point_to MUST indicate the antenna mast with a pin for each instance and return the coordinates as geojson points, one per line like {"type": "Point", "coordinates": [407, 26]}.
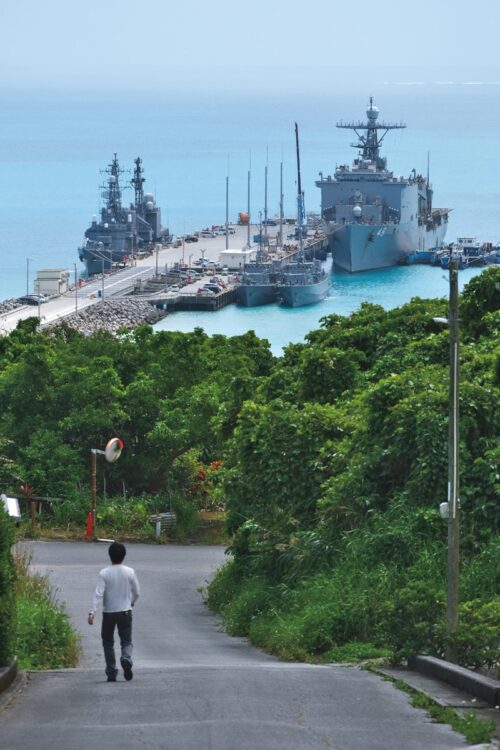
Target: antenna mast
{"type": "Point", "coordinates": [137, 182]}
{"type": "Point", "coordinates": [112, 191]}
{"type": "Point", "coordinates": [300, 197]}
{"type": "Point", "coordinates": [370, 143]}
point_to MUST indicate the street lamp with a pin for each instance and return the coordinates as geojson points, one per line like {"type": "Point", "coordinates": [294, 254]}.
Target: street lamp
{"type": "Point", "coordinates": [28, 275]}
{"type": "Point", "coordinates": [76, 289]}
{"type": "Point", "coordinates": [450, 510]}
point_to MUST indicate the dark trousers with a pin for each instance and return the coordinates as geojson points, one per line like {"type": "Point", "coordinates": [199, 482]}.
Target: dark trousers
{"type": "Point", "coordinates": [123, 621]}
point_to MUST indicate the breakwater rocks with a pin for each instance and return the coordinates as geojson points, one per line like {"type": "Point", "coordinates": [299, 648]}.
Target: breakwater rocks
{"type": "Point", "coordinates": [112, 315]}
{"type": "Point", "coordinates": [8, 305]}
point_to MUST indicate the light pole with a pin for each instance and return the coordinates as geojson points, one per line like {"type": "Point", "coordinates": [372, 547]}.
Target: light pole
{"type": "Point", "coordinates": [189, 267]}
{"type": "Point", "coordinates": [76, 289]}
{"type": "Point", "coordinates": [451, 509]}
{"type": "Point", "coordinates": [28, 275]}
{"type": "Point", "coordinates": [102, 293]}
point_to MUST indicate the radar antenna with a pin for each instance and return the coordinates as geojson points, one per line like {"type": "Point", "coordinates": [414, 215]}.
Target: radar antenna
{"type": "Point", "coordinates": [369, 143]}
{"type": "Point", "coordinates": [137, 182]}
{"type": "Point", "coordinates": [112, 191]}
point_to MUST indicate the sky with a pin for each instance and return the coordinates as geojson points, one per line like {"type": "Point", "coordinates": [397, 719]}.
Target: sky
{"type": "Point", "coordinates": [263, 45]}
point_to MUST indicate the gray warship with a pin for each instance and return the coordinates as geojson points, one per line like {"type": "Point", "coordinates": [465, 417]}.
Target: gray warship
{"type": "Point", "coordinates": [302, 282]}
{"type": "Point", "coordinates": [373, 218]}
{"type": "Point", "coordinates": [122, 230]}
{"type": "Point", "coordinates": [294, 283]}
{"type": "Point", "coordinates": [258, 282]}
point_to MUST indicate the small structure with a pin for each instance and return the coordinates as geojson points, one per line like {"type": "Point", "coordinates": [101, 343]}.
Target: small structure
{"type": "Point", "coordinates": [52, 281]}
{"type": "Point", "coordinates": [236, 260]}
{"type": "Point", "coordinates": [11, 505]}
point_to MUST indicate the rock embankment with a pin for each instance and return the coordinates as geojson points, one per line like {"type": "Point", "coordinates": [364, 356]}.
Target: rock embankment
{"type": "Point", "coordinates": [112, 316]}
{"type": "Point", "coordinates": [8, 305]}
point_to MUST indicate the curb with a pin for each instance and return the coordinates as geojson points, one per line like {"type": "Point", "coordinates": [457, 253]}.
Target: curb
{"type": "Point", "coordinates": [463, 679]}
{"type": "Point", "coordinates": [8, 674]}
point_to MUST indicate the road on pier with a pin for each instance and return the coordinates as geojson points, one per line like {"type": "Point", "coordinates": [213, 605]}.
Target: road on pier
{"type": "Point", "coordinates": [194, 687]}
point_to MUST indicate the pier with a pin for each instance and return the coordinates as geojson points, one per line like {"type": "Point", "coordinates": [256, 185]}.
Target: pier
{"type": "Point", "coordinates": [148, 279]}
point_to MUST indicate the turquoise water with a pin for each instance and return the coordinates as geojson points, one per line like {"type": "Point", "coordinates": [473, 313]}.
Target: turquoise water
{"type": "Point", "coordinates": [389, 287]}
{"type": "Point", "coordinates": [53, 146]}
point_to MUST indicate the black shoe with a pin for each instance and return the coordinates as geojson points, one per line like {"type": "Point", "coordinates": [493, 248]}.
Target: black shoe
{"type": "Point", "coordinates": [127, 669]}
{"type": "Point", "coordinates": [111, 678]}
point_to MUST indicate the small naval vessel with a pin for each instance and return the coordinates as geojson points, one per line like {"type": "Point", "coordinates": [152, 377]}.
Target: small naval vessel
{"type": "Point", "coordinates": [122, 231]}
{"type": "Point", "coordinates": [302, 282]}
{"type": "Point", "coordinates": [375, 219]}
{"type": "Point", "coordinates": [258, 282]}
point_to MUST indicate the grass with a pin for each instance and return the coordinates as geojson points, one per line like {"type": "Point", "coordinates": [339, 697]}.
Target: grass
{"type": "Point", "coordinates": [210, 531]}
{"type": "Point", "coordinates": [45, 638]}
{"type": "Point", "coordinates": [475, 730]}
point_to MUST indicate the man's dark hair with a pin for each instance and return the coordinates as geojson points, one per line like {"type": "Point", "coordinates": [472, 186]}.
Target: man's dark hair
{"type": "Point", "coordinates": [117, 552]}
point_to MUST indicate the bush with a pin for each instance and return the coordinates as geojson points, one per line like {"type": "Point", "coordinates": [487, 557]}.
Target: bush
{"type": "Point", "coordinates": [415, 621]}
{"type": "Point", "coordinates": [478, 637]}
{"type": "Point", "coordinates": [186, 517]}
{"type": "Point", "coordinates": [7, 596]}
{"type": "Point", "coordinates": [124, 516]}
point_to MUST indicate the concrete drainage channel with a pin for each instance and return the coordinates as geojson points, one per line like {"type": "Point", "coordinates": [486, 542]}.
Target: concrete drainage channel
{"type": "Point", "coordinates": [470, 682]}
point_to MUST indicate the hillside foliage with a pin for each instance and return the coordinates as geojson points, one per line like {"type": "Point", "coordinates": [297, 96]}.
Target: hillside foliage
{"type": "Point", "coordinates": [330, 460]}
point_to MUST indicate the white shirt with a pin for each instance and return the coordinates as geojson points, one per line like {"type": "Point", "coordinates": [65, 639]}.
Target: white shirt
{"type": "Point", "coordinates": [117, 587]}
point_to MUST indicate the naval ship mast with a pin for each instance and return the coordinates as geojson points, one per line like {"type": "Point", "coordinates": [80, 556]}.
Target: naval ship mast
{"type": "Point", "coordinates": [137, 183]}
{"type": "Point", "coordinates": [300, 199]}
{"type": "Point", "coordinates": [371, 142]}
{"type": "Point", "coordinates": [112, 192]}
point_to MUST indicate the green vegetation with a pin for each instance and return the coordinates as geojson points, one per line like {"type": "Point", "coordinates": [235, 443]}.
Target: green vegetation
{"type": "Point", "coordinates": [334, 475]}
{"type": "Point", "coordinates": [329, 461]}
{"type": "Point", "coordinates": [475, 730]}
{"type": "Point", "coordinates": [45, 638]}
{"type": "Point", "coordinates": [7, 598]}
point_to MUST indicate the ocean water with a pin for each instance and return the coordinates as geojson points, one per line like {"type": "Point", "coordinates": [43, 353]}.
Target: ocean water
{"type": "Point", "coordinates": [53, 146]}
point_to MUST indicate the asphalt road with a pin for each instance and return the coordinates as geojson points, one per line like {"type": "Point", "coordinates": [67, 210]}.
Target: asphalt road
{"type": "Point", "coordinates": [194, 687]}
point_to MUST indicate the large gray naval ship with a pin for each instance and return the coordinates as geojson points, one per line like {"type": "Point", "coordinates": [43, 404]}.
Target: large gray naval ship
{"type": "Point", "coordinates": [122, 230]}
{"type": "Point", "coordinates": [375, 219]}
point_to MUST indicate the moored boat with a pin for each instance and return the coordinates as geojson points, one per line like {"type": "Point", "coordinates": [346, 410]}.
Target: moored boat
{"type": "Point", "coordinates": [302, 282]}
{"type": "Point", "coordinates": [122, 231]}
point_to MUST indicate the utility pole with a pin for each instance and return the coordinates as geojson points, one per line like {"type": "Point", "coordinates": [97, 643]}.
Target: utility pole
{"type": "Point", "coordinates": [76, 289]}
{"type": "Point", "coordinates": [27, 275]}
{"type": "Point", "coordinates": [453, 469]}
{"type": "Point", "coordinates": [102, 293]}
{"type": "Point", "coordinates": [227, 212]}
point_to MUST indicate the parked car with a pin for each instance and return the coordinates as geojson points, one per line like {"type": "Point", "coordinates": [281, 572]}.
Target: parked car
{"type": "Point", "coordinates": [207, 233]}
{"type": "Point", "coordinates": [213, 288]}
{"type": "Point", "coordinates": [33, 299]}
{"type": "Point", "coordinates": [190, 238]}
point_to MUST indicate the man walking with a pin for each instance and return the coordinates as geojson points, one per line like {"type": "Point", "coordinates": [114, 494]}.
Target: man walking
{"type": "Point", "coordinates": [118, 588]}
